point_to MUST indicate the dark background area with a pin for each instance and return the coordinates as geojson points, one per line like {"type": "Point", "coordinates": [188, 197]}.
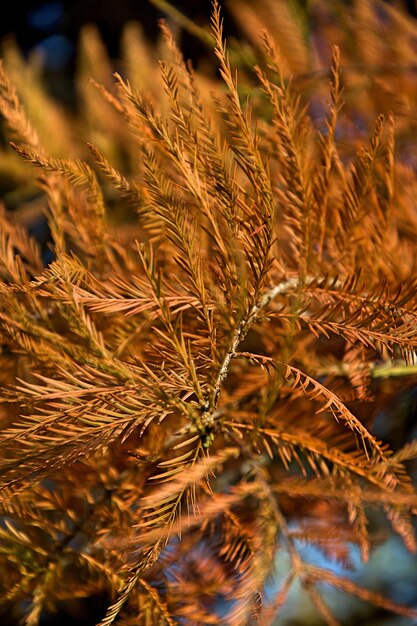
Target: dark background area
{"type": "Point", "coordinates": [52, 27]}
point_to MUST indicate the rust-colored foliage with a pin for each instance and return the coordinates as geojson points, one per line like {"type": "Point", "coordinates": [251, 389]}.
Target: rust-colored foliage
{"type": "Point", "coordinates": [188, 384]}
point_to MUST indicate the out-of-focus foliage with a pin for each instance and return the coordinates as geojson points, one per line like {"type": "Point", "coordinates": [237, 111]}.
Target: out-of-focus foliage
{"type": "Point", "coordinates": [191, 383]}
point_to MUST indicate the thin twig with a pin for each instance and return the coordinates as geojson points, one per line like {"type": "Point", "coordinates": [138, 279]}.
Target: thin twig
{"type": "Point", "coordinates": [243, 328]}
{"type": "Point", "coordinates": [389, 369]}
{"type": "Point", "coordinates": [384, 370]}
{"type": "Point", "coordinates": [200, 33]}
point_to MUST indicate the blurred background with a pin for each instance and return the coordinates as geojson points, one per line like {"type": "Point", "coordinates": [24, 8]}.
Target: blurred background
{"type": "Point", "coordinates": [379, 46]}
{"type": "Point", "coordinates": [51, 28]}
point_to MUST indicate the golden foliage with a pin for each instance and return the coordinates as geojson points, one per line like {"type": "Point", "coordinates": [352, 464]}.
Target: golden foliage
{"type": "Point", "coordinates": [231, 274]}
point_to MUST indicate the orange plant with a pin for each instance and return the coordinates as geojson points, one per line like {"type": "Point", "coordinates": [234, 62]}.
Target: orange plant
{"type": "Point", "coordinates": [187, 382]}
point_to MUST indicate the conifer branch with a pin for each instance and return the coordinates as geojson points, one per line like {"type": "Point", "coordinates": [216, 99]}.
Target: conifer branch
{"type": "Point", "coordinates": [243, 328]}
{"type": "Point", "coordinates": [190, 377]}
